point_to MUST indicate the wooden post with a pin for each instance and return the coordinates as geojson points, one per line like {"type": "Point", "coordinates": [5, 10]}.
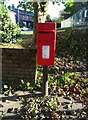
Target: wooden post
{"type": "Point", "coordinates": [45, 81]}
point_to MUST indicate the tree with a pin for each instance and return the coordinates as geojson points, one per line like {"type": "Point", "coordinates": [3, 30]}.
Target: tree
{"type": "Point", "coordinates": [38, 7]}
{"type": "Point", "coordinates": [35, 5]}
{"type": "Point", "coordinates": [26, 5]}
{"type": "Point", "coordinates": [48, 19]}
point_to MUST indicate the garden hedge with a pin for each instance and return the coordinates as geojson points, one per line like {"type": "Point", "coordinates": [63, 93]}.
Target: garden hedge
{"type": "Point", "coordinates": [72, 41]}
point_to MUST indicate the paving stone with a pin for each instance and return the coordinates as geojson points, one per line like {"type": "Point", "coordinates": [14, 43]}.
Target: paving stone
{"type": "Point", "coordinates": [12, 105]}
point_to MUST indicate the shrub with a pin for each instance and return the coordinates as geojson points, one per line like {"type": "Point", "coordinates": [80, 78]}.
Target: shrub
{"type": "Point", "coordinates": [10, 31]}
{"type": "Point", "coordinates": [27, 26]}
{"type": "Point", "coordinates": [22, 24]}
{"type": "Point", "coordinates": [72, 41]}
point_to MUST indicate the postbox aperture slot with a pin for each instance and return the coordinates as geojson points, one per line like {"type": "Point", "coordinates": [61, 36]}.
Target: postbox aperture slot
{"type": "Point", "coordinates": [46, 31]}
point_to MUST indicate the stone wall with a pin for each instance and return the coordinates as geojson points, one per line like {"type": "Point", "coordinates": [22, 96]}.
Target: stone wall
{"type": "Point", "coordinates": [18, 64]}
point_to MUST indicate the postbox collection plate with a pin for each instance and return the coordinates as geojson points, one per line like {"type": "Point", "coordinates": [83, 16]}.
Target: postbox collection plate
{"type": "Point", "coordinates": [45, 52]}
{"type": "Point", "coordinates": [46, 35]}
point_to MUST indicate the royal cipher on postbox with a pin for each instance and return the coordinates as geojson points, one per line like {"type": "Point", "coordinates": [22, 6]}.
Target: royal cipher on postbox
{"type": "Point", "coordinates": [46, 35]}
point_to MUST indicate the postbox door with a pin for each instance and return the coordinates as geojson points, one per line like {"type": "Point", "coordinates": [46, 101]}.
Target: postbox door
{"type": "Point", "coordinates": [45, 45]}
{"type": "Point", "coordinates": [46, 54]}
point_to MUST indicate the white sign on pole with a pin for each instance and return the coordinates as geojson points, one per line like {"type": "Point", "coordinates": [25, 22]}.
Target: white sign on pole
{"type": "Point", "coordinates": [45, 52]}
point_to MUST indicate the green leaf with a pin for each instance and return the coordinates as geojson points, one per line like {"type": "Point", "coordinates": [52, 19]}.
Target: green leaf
{"type": "Point", "coordinates": [10, 88]}
{"type": "Point", "coordinates": [28, 84]}
{"type": "Point", "coordinates": [30, 88]}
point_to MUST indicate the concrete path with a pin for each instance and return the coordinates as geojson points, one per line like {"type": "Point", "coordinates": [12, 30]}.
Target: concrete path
{"type": "Point", "coordinates": [10, 105]}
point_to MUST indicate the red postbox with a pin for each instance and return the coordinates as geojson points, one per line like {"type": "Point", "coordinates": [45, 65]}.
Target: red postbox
{"type": "Point", "coordinates": [46, 35]}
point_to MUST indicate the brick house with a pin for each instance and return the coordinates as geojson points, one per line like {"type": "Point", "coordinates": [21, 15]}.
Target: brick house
{"type": "Point", "coordinates": [22, 16]}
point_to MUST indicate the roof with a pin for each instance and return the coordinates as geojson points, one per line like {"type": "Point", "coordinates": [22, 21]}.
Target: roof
{"type": "Point", "coordinates": [23, 12]}
{"type": "Point", "coordinates": [11, 12]}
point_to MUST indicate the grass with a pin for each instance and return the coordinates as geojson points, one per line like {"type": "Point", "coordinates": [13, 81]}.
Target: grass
{"type": "Point", "coordinates": [24, 35]}
{"type": "Point", "coordinates": [27, 33]}
{"type": "Point", "coordinates": [25, 40]}
{"type": "Point", "coordinates": [10, 45]}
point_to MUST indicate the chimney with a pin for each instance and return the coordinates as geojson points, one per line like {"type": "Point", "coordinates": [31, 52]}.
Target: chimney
{"type": "Point", "coordinates": [9, 7]}
{"type": "Point", "coordinates": [13, 7]}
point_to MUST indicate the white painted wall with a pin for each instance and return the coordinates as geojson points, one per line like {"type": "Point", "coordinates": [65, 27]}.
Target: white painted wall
{"type": "Point", "coordinates": [12, 16]}
{"type": "Point", "coordinates": [75, 20]}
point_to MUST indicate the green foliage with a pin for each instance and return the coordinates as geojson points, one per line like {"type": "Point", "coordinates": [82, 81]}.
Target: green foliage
{"type": "Point", "coordinates": [58, 20]}
{"type": "Point", "coordinates": [10, 45]}
{"type": "Point", "coordinates": [72, 41]}
{"type": "Point", "coordinates": [46, 107]}
{"type": "Point", "coordinates": [21, 24]}
{"type": "Point", "coordinates": [69, 83]}
{"type": "Point", "coordinates": [25, 86]}
{"type": "Point", "coordinates": [39, 108]}
{"type": "Point", "coordinates": [27, 26]}
{"type": "Point", "coordinates": [26, 5]}
{"type": "Point", "coordinates": [10, 31]}
{"type": "Point", "coordinates": [69, 4]}
{"type": "Point", "coordinates": [25, 40]}
{"type": "Point", "coordinates": [42, 6]}
{"type": "Point", "coordinates": [29, 5]}
{"type": "Point", "coordinates": [72, 8]}
{"type": "Point", "coordinates": [9, 89]}
{"type": "Point", "coordinates": [48, 19]}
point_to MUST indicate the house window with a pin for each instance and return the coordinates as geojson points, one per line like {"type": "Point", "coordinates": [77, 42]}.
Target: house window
{"type": "Point", "coordinates": [23, 17]}
{"type": "Point", "coordinates": [27, 17]}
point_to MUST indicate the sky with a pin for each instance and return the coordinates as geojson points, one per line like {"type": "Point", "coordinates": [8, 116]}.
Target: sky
{"type": "Point", "coordinates": [52, 10]}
